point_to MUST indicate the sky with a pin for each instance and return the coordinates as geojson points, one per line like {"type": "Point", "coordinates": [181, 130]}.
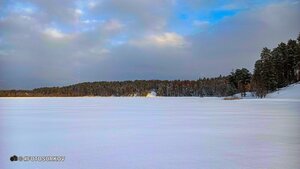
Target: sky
{"type": "Point", "coordinates": [62, 42]}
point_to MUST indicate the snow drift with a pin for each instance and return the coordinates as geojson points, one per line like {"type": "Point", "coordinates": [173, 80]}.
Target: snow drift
{"type": "Point", "coordinates": [290, 92]}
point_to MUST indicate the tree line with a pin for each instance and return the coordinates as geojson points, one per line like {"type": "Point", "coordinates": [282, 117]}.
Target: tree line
{"type": "Point", "coordinates": [218, 86]}
{"type": "Point", "coordinates": [275, 69]}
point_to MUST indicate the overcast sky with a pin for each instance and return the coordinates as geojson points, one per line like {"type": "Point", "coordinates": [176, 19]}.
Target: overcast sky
{"type": "Point", "coordinates": [61, 42]}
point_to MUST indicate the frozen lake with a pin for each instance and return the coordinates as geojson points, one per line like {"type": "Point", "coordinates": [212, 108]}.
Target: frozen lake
{"type": "Point", "coordinates": [151, 133]}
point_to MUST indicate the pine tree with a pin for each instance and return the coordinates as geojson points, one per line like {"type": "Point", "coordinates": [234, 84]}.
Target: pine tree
{"type": "Point", "coordinates": [240, 79]}
{"type": "Point", "coordinates": [277, 61]}
{"type": "Point", "coordinates": [257, 80]}
{"type": "Point", "coordinates": [268, 70]}
{"type": "Point", "coordinates": [297, 61]}
{"type": "Point", "coordinates": [292, 49]}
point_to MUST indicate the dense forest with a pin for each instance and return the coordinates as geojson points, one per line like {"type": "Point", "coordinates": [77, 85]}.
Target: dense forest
{"type": "Point", "coordinates": [203, 87]}
{"type": "Point", "coordinates": [275, 69]}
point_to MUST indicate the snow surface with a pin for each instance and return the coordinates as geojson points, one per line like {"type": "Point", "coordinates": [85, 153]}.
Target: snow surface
{"type": "Point", "coordinates": [151, 133]}
{"type": "Point", "coordinates": [249, 95]}
{"type": "Point", "coordinates": [289, 92]}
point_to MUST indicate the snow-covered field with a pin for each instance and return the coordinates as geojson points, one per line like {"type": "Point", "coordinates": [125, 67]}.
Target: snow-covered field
{"type": "Point", "coordinates": [151, 133]}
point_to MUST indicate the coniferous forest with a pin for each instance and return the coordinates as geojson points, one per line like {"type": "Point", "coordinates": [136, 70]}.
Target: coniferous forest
{"type": "Point", "coordinates": [275, 69]}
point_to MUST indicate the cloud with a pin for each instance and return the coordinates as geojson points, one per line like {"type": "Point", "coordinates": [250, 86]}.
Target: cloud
{"type": "Point", "coordinates": [54, 33]}
{"type": "Point", "coordinates": [113, 25]}
{"type": "Point", "coordinates": [92, 4]}
{"type": "Point", "coordinates": [56, 11]}
{"type": "Point", "coordinates": [79, 11]}
{"type": "Point", "coordinates": [65, 42]}
{"type": "Point", "coordinates": [201, 24]}
{"type": "Point", "coordinates": [167, 39]}
{"type": "Point", "coordinates": [237, 41]}
{"type": "Point", "coordinates": [146, 14]}
{"type": "Point", "coordinates": [35, 55]}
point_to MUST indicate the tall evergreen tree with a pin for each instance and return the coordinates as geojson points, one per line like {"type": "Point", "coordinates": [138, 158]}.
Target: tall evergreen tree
{"type": "Point", "coordinates": [257, 79]}
{"type": "Point", "coordinates": [297, 61]}
{"type": "Point", "coordinates": [292, 49]}
{"type": "Point", "coordinates": [277, 59]}
{"type": "Point", "coordinates": [268, 70]}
